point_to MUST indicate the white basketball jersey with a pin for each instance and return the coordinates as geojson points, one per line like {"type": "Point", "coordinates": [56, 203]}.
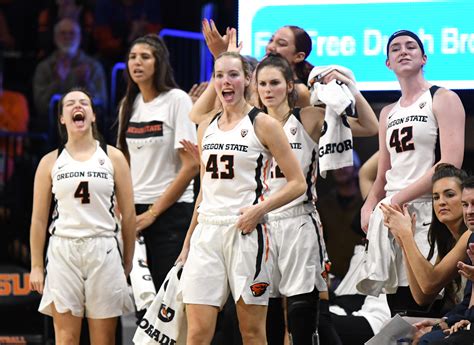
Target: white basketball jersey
{"type": "Point", "coordinates": [306, 152]}
{"type": "Point", "coordinates": [84, 196]}
{"type": "Point", "coordinates": [237, 168]}
{"type": "Point", "coordinates": [412, 136]}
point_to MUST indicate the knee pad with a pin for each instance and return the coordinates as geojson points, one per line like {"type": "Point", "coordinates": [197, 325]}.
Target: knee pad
{"type": "Point", "coordinates": [303, 317]}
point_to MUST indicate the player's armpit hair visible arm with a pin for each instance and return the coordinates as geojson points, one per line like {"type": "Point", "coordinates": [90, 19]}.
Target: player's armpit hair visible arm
{"type": "Point", "coordinates": [431, 279]}
{"type": "Point", "coordinates": [312, 119]}
{"type": "Point", "coordinates": [124, 194]}
{"type": "Point", "coordinates": [204, 107]}
{"type": "Point", "coordinates": [451, 118]}
{"type": "Point", "coordinates": [271, 134]}
{"type": "Point", "coordinates": [367, 174]}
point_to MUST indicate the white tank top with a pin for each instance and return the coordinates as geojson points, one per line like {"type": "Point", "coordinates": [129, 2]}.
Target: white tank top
{"type": "Point", "coordinates": [84, 196]}
{"type": "Point", "coordinates": [306, 152]}
{"type": "Point", "coordinates": [412, 136]}
{"type": "Point", "coordinates": [237, 168]}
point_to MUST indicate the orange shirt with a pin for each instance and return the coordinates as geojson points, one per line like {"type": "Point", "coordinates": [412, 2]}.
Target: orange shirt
{"type": "Point", "coordinates": [14, 113]}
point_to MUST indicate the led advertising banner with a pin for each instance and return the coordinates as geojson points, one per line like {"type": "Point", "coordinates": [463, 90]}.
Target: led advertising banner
{"type": "Point", "coordinates": [355, 33]}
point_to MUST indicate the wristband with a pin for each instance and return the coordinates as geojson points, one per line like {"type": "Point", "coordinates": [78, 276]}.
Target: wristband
{"type": "Point", "coordinates": [153, 213]}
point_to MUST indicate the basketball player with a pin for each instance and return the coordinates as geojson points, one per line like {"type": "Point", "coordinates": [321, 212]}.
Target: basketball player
{"type": "Point", "coordinates": [297, 242]}
{"type": "Point", "coordinates": [229, 246]}
{"type": "Point", "coordinates": [409, 132]}
{"type": "Point", "coordinates": [85, 269]}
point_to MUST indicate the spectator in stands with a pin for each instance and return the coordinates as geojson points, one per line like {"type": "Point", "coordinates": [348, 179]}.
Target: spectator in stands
{"type": "Point", "coordinates": [14, 113]}
{"type": "Point", "coordinates": [56, 10]}
{"type": "Point", "coordinates": [6, 39]}
{"type": "Point", "coordinates": [118, 23]}
{"type": "Point", "coordinates": [20, 17]}
{"type": "Point", "coordinates": [66, 67]}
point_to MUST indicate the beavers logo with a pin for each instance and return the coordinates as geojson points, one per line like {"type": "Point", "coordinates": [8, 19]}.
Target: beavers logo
{"type": "Point", "coordinates": [422, 105]}
{"type": "Point", "coordinates": [258, 289]}
{"type": "Point", "coordinates": [293, 130]}
{"type": "Point", "coordinates": [166, 314]}
{"type": "Point", "coordinates": [327, 269]}
{"type": "Point", "coordinates": [324, 128]}
{"type": "Point", "coordinates": [101, 161]}
{"type": "Point", "coordinates": [244, 132]}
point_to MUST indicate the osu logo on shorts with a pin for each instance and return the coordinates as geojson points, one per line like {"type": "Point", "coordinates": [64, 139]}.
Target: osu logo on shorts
{"type": "Point", "coordinates": [166, 314]}
{"type": "Point", "coordinates": [258, 289]}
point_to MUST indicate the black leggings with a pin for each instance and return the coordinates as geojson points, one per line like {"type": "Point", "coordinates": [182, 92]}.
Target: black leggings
{"type": "Point", "coordinates": [164, 238]}
{"type": "Point", "coordinates": [352, 330]}
{"type": "Point", "coordinates": [403, 303]}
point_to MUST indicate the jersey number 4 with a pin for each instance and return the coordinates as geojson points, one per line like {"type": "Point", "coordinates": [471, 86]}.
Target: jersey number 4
{"type": "Point", "coordinates": [82, 192]}
{"type": "Point", "coordinates": [212, 166]}
{"type": "Point", "coordinates": [403, 140]}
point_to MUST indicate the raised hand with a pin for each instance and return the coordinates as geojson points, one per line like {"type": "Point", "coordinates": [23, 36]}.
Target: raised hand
{"type": "Point", "coordinates": [216, 43]}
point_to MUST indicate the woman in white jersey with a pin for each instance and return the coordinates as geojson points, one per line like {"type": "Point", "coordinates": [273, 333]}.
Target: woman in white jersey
{"type": "Point", "coordinates": [229, 246]}
{"type": "Point", "coordinates": [296, 242]}
{"type": "Point", "coordinates": [153, 119]}
{"type": "Point", "coordinates": [410, 130]}
{"type": "Point", "coordinates": [85, 273]}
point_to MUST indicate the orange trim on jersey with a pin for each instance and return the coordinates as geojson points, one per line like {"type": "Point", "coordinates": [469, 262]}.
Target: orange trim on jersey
{"type": "Point", "coordinates": [265, 183]}
{"type": "Point", "coordinates": [267, 242]}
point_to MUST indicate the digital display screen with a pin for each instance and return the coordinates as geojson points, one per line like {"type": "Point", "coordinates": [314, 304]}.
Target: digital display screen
{"type": "Point", "coordinates": [354, 34]}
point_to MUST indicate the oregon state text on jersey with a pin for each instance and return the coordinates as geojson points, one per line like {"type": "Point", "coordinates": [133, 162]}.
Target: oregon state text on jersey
{"type": "Point", "coordinates": [237, 168]}
{"type": "Point", "coordinates": [84, 196]}
{"type": "Point", "coordinates": [412, 135]}
{"type": "Point", "coordinates": [305, 150]}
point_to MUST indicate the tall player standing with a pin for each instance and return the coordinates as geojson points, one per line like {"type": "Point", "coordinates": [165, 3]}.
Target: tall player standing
{"type": "Point", "coordinates": [229, 246]}
{"type": "Point", "coordinates": [85, 275]}
{"type": "Point", "coordinates": [409, 132]}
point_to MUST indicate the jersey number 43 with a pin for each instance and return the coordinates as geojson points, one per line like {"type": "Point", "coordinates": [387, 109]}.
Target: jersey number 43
{"type": "Point", "coordinates": [212, 166]}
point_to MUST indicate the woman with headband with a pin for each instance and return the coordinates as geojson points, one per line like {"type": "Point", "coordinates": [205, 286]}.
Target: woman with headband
{"type": "Point", "coordinates": [410, 130]}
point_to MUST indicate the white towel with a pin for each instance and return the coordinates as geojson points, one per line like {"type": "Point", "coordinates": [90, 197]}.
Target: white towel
{"type": "Point", "coordinates": [335, 144]}
{"type": "Point", "coordinates": [142, 283]}
{"type": "Point", "coordinates": [165, 319]}
{"type": "Point", "coordinates": [347, 286]}
{"type": "Point", "coordinates": [379, 271]}
{"type": "Point", "coordinates": [375, 309]}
